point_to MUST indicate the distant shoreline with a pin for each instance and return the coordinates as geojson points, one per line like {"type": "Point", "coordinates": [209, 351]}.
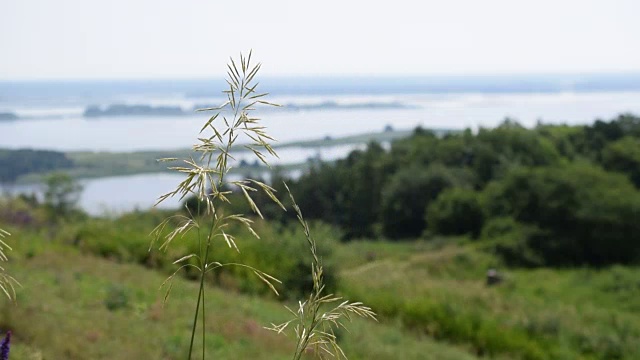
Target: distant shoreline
{"type": "Point", "coordinates": [116, 110]}
{"type": "Point", "coordinates": [88, 164]}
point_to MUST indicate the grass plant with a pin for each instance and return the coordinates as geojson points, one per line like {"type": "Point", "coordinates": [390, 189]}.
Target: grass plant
{"type": "Point", "coordinates": [207, 178]}
{"type": "Point", "coordinates": [313, 327]}
{"type": "Point", "coordinates": [7, 282]}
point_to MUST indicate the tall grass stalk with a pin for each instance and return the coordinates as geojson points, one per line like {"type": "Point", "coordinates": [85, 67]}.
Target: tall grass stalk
{"type": "Point", "coordinates": [7, 282]}
{"type": "Point", "coordinates": [206, 178]}
{"type": "Point", "coordinates": [319, 316]}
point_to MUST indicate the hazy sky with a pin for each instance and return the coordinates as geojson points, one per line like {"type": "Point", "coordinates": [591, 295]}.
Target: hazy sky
{"type": "Point", "coordinates": [188, 38]}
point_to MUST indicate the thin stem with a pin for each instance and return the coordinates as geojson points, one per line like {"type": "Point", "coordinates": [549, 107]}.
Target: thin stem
{"type": "Point", "coordinates": [201, 294]}
{"type": "Point", "coordinates": [203, 312]}
{"type": "Point", "coordinates": [201, 291]}
{"type": "Point", "coordinates": [195, 319]}
{"type": "Point", "coordinates": [202, 277]}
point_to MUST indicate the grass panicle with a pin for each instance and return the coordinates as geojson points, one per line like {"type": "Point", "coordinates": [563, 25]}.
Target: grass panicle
{"type": "Point", "coordinates": [7, 282]}
{"type": "Point", "coordinates": [206, 178]}
{"type": "Point", "coordinates": [318, 317]}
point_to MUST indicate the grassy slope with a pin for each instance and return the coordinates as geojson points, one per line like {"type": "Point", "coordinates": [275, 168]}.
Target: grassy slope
{"type": "Point", "coordinates": [422, 290]}
{"type": "Point", "coordinates": [62, 314]}
{"type": "Point", "coordinates": [534, 314]}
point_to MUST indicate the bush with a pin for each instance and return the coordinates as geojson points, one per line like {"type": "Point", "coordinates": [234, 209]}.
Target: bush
{"type": "Point", "coordinates": [407, 195]}
{"type": "Point", "coordinates": [509, 240]}
{"type": "Point", "coordinates": [125, 239]}
{"type": "Point", "coordinates": [583, 214]}
{"type": "Point", "coordinates": [116, 298]}
{"type": "Point", "coordinates": [279, 253]}
{"type": "Point", "coordinates": [456, 211]}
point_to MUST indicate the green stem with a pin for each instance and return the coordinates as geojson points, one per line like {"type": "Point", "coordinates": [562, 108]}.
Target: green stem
{"type": "Point", "coordinates": [203, 312]}
{"type": "Point", "coordinates": [195, 319]}
{"type": "Point", "coordinates": [201, 297]}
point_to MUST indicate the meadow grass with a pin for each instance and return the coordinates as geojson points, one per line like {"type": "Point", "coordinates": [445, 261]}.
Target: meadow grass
{"type": "Point", "coordinates": [533, 314]}
{"type": "Point", "coordinates": [421, 290]}
{"type": "Point", "coordinates": [76, 305]}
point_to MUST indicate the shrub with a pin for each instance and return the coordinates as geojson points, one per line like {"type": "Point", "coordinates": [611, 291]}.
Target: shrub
{"type": "Point", "coordinates": [116, 298]}
{"type": "Point", "coordinates": [61, 195]}
{"type": "Point", "coordinates": [583, 214]}
{"type": "Point", "coordinates": [277, 251]}
{"type": "Point", "coordinates": [407, 195]}
{"type": "Point", "coordinates": [508, 239]}
{"type": "Point", "coordinates": [456, 211]}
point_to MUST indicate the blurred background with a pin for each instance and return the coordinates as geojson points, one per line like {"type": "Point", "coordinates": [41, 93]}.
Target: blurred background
{"type": "Point", "coordinates": [122, 77]}
{"type": "Point", "coordinates": [480, 158]}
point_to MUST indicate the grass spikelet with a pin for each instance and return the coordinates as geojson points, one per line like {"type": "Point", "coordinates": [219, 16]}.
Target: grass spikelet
{"type": "Point", "coordinates": [7, 282]}
{"type": "Point", "coordinates": [313, 325]}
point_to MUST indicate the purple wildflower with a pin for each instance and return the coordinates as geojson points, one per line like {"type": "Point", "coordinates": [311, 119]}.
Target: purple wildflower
{"type": "Point", "coordinates": [4, 347]}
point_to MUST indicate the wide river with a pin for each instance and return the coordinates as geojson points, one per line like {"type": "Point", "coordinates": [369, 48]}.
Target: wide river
{"type": "Point", "coordinates": [70, 131]}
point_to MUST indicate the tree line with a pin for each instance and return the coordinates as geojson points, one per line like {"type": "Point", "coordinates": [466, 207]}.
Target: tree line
{"type": "Point", "coordinates": [15, 163]}
{"type": "Point", "coordinates": [549, 195]}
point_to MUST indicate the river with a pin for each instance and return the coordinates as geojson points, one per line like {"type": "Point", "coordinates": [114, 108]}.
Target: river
{"type": "Point", "coordinates": [54, 123]}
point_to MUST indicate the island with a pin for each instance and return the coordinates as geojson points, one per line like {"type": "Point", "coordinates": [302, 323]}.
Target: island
{"type": "Point", "coordinates": [332, 105]}
{"type": "Point", "coordinates": [95, 111]}
{"type": "Point", "coordinates": [8, 116]}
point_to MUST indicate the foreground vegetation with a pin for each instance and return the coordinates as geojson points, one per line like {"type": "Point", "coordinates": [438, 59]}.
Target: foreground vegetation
{"type": "Point", "coordinates": [103, 304]}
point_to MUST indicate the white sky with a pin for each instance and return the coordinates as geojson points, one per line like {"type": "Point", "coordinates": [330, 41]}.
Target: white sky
{"type": "Point", "coordinates": [189, 38]}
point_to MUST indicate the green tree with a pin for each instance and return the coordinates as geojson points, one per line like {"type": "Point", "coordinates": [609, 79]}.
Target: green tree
{"type": "Point", "coordinates": [510, 144]}
{"type": "Point", "coordinates": [15, 163]}
{"type": "Point", "coordinates": [407, 195]}
{"type": "Point", "coordinates": [61, 195]}
{"type": "Point", "coordinates": [362, 193]}
{"type": "Point", "coordinates": [346, 193]}
{"type": "Point", "coordinates": [624, 156]}
{"type": "Point", "coordinates": [584, 215]}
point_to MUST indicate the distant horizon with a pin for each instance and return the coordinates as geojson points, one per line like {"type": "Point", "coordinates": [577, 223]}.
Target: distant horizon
{"type": "Point", "coordinates": [339, 76]}
{"type": "Point", "coordinates": [331, 85]}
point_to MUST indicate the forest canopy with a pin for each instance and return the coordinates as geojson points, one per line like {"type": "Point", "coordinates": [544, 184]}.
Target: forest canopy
{"type": "Point", "coordinates": [570, 192]}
